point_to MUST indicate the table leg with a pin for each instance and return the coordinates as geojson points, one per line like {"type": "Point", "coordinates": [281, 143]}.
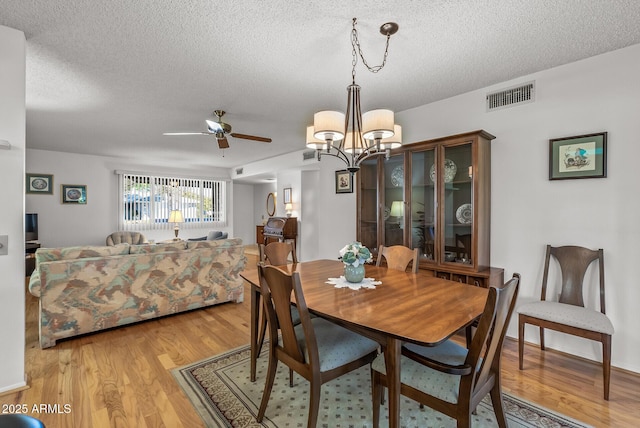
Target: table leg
{"type": "Point", "coordinates": [392, 361]}
{"type": "Point", "coordinates": [255, 308]}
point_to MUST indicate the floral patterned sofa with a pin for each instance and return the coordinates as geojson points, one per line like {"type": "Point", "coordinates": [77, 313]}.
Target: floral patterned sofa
{"type": "Point", "coordinates": [87, 289]}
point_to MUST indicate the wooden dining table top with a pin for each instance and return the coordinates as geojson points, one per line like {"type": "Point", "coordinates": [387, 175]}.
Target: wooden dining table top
{"type": "Point", "coordinates": [412, 307]}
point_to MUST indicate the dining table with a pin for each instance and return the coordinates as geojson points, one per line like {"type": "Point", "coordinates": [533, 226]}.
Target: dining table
{"type": "Point", "coordinates": [405, 307]}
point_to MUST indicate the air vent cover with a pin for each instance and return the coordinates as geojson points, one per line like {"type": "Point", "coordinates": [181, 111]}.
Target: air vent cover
{"type": "Point", "coordinates": [309, 154]}
{"type": "Point", "coordinates": [239, 171]}
{"type": "Point", "coordinates": [515, 95]}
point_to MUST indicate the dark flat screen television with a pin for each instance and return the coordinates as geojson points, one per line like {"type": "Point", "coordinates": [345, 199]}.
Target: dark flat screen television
{"type": "Point", "coordinates": [31, 227]}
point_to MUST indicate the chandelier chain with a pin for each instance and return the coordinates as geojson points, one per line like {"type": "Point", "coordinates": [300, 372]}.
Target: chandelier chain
{"type": "Point", "coordinates": [355, 44]}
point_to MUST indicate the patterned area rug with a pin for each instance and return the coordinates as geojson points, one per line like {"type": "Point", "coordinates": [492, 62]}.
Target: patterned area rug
{"type": "Point", "coordinates": [220, 390]}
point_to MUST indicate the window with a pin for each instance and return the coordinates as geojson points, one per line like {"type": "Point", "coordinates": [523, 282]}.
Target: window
{"type": "Point", "coordinates": [145, 202]}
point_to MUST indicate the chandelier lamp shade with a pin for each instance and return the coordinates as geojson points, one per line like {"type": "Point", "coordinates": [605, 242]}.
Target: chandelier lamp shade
{"type": "Point", "coordinates": [354, 136]}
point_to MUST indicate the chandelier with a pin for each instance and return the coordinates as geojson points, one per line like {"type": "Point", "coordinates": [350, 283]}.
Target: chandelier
{"type": "Point", "coordinates": [353, 136]}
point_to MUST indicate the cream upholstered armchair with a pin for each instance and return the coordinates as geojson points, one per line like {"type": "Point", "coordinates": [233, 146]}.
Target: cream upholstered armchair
{"type": "Point", "coordinates": [132, 238]}
{"type": "Point", "coordinates": [569, 314]}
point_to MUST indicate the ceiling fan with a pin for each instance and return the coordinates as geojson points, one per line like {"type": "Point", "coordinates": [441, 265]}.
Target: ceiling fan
{"type": "Point", "coordinates": [220, 130]}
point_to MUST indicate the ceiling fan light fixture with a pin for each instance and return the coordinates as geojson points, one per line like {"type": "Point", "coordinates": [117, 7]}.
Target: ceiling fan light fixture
{"type": "Point", "coordinates": [213, 126]}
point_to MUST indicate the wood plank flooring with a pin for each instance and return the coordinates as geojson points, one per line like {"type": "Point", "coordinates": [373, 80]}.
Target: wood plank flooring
{"type": "Point", "coordinates": [121, 377]}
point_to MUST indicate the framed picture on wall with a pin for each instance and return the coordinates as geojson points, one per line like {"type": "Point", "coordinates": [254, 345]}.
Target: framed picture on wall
{"type": "Point", "coordinates": [39, 183]}
{"type": "Point", "coordinates": [344, 182]}
{"type": "Point", "coordinates": [287, 195]}
{"type": "Point", "coordinates": [74, 194]}
{"type": "Point", "coordinates": [583, 156]}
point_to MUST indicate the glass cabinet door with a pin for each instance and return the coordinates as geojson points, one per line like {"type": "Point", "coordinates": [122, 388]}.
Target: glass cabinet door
{"type": "Point", "coordinates": [456, 175]}
{"type": "Point", "coordinates": [423, 204]}
{"type": "Point", "coordinates": [393, 200]}
{"type": "Point", "coordinates": [368, 204]}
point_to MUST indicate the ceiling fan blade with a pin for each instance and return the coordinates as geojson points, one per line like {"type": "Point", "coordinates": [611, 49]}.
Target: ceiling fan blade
{"type": "Point", "coordinates": [186, 133]}
{"type": "Point", "coordinates": [223, 143]}
{"type": "Point", "coordinates": [251, 137]}
{"type": "Point", "coordinates": [213, 126]}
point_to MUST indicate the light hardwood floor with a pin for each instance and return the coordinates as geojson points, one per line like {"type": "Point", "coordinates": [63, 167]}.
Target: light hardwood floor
{"type": "Point", "coordinates": [121, 377]}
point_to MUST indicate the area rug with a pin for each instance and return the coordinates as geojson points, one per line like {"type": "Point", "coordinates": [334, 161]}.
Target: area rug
{"type": "Point", "coordinates": [220, 390]}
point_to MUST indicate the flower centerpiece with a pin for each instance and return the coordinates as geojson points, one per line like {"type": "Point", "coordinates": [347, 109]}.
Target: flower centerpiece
{"type": "Point", "coordinates": [354, 256]}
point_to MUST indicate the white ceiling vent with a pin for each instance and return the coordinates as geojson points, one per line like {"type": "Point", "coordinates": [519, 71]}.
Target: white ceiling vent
{"type": "Point", "coordinates": [239, 171]}
{"type": "Point", "coordinates": [309, 154]}
{"type": "Point", "coordinates": [509, 97]}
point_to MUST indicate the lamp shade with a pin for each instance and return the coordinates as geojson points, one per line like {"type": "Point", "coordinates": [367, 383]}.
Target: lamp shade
{"type": "Point", "coordinates": [377, 124]}
{"type": "Point", "coordinates": [175, 216]}
{"type": "Point", "coordinates": [313, 142]}
{"type": "Point", "coordinates": [394, 141]}
{"type": "Point", "coordinates": [352, 144]}
{"type": "Point", "coordinates": [328, 125]}
{"type": "Point", "coordinates": [397, 209]}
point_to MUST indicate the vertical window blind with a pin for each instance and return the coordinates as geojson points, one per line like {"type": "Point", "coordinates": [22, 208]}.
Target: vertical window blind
{"type": "Point", "coordinates": [145, 202]}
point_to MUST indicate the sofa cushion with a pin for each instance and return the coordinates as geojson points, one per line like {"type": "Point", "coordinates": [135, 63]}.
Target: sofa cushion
{"type": "Point", "coordinates": [169, 247]}
{"type": "Point", "coordinates": [83, 252]}
{"type": "Point", "coordinates": [218, 243]}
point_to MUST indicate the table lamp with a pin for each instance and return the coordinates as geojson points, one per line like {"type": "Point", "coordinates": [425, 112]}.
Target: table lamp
{"type": "Point", "coordinates": [175, 217]}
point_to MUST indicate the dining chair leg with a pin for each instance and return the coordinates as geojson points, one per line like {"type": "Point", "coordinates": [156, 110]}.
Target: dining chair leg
{"type": "Point", "coordinates": [376, 396]}
{"type": "Point", "coordinates": [520, 342]}
{"type": "Point", "coordinates": [271, 376]}
{"type": "Point", "coordinates": [542, 339]}
{"type": "Point", "coordinates": [606, 363]}
{"type": "Point", "coordinates": [498, 408]}
{"type": "Point", "coordinates": [314, 403]}
{"type": "Point", "coordinates": [263, 327]}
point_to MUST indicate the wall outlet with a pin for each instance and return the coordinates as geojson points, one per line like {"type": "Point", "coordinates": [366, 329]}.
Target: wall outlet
{"type": "Point", "coordinates": [4, 245]}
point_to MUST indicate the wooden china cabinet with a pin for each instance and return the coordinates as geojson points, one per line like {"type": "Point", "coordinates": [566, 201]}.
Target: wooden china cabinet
{"type": "Point", "coordinates": [433, 195]}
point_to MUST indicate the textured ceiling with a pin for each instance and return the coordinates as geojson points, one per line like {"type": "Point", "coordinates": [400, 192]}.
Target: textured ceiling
{"type": "Point", "coordinates": [109, 77]}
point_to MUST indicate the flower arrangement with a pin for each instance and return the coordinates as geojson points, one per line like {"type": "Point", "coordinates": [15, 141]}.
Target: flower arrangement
{"type": "Point", "coordinates": [355, 254]}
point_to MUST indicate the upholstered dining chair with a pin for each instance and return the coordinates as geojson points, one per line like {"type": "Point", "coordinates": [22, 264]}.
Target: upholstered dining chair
{"type": "Point", "coordinates": [569, 314]}
{"type": "Point", "coordinates": [449, 377]}
{"type": "Point", "coordinates": [398, 257]}
{"type": "Point", "coordinates": [133, 238]}
{"type": "Point", "coordinates": [316, 349]}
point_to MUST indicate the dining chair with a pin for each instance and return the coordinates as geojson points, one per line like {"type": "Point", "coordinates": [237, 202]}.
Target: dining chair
{"type": "Point", "coordinates": [316, 349]}
{"type": "Point", "coordinates": [398, 257]}
{"type": "Point", "coordinates": [449, 377]}
{"type": "Point", "coordinates": [569, 314]}
{"type": "Point", "coordinates": [278, 253]}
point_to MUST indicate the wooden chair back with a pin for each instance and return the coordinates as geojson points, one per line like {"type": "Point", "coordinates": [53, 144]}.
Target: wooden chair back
{"type": "Point", "coordinates": [277, 253]}
{"type": "Point", "coordinates": [486, 345]}
{"type": "Point", "coordinates": [398, 257]}
{"type": "Point", "coordinates": [573, 261]}
{"type": "Point", "coordinates": [277, 288]}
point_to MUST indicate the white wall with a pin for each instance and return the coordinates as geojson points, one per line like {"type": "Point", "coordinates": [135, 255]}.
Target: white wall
{"type": "Point", "coordinates": [67, 225]}
{"type": "Point", "coordinates": [529, 211]}
{"type": "Point", "coordinates": [260, 193]}
{"type": "Point", "coordinates": [243, 213]}
{"type": "Point", "coordinates": [12, 129]}
{"type": "Point", "coordinates": [310, 209]}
